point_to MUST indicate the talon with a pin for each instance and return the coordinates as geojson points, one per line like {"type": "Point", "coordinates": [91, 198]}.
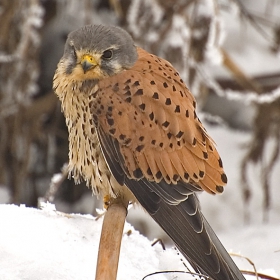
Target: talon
{"type": "Point", "coordinates": [106, 201]}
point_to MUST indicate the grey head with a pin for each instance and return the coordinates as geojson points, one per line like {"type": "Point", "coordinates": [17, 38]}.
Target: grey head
{"type": "Point", "coordinates": [110, 47]}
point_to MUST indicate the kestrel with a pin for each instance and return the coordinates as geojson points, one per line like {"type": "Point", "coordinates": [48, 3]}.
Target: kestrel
{"type": "Point", "coordinates": [134, 135]}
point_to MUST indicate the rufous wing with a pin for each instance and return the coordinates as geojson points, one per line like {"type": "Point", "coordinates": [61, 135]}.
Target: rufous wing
{"type": "Point", "coordinates": [150, 114]}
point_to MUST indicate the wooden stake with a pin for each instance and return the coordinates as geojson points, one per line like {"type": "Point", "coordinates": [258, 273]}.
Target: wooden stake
{"type": "Point", "coordinates": [110, 240]}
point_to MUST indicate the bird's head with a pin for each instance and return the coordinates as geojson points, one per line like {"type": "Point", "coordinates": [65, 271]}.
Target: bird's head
{"type": "Point", "coordinates": [97, 51]}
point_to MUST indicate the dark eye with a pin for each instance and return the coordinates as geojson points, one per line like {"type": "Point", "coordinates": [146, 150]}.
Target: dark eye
{"type": "Point", "coordinates": [107, 54]}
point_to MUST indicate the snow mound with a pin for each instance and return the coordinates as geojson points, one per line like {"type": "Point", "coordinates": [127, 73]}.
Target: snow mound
{"type": "Point", "coordinates": [47, 244]}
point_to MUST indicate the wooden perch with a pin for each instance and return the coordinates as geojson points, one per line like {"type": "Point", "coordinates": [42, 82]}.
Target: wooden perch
{"type": "Point", "coordinates": [110, 240]}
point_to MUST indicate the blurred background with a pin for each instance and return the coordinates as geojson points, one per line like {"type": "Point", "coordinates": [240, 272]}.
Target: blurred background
{"type": "Point", "coordinates": [227, 52]}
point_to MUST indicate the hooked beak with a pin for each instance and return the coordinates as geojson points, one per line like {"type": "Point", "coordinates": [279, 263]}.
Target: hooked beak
{"type": "Point", "coordinates": [88, 62]}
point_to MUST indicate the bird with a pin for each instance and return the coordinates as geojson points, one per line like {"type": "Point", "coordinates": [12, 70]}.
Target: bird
{"type": "Point", "coordinates": [134, 134]}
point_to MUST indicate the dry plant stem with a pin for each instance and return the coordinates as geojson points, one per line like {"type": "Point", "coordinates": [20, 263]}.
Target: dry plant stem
{"type": "Point", "coordinates": [110, 240]}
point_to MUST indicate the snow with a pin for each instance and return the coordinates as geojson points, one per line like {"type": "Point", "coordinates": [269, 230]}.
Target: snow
{"type": "Point", "coordinates": [53, 245]}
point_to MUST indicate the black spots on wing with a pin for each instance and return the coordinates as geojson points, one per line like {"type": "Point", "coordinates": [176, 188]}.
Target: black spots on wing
{"type": "Point", "coordinates": [122, 136]}
{"type": "Point", "coordinates": [176, 177]}
{"type": "Point", "coordinates": [153, 142]}
{"type": "Point", "coordinates": [224, 178]}
{"type": "Point", "coordinates": [139, 148]}
{"type": "Point", "coordinates": [194, 104]}
{"type": "Point", "coordinates": [165, 85]}
{"type": "Point", "coordinates": [167, 178]}
{"type": "Point", "coordinates": [210, 148]}
{"type": "Point", "coordinates": [194, 115]}
{"type": "Point", "coordinates": [141, 138]}
{"type": "Point", "coordinates": [110, 121]}
{"type": "Point", "coordinates": [166, 124]}
{"type": "Point", "coordinates": [128, 99]}
{"type": "Point", "coordinates": [168, 101]}
{"type": "Point", "coordinates": [127, 93]}
{"type": "Point", "coordinates": [186, 176]}
{"type": "Point", "coordinates": [127, 141]}
{"type": "Point", "coordinates": [187, 114]}
{"type": "Point", "coordinates": [128, 81]}
{"type": "Point", "coordinates": [194, 141]}
{"type": "Point", "coordinates": [155, 95]}
{"type": "Point", "coordinates": [152, 82]}
{"type": "Point", "coordinates": [177, 109]}
{"type": "Point", "coordinates": [158, 175]}
{"type": "Point", "coordinates": [205, 155]}
{"type": "Point", "coordinates": [142, 107]}
{"type": "Point", "coordinates": [136, 83]}
{"type": "Point", "coordinates": [169, 135]}
{"type": "Point", "coordinates": [195, 176]}
{"type": "Point", "coordinates": [201, 174]}
{"type": "Point", "coordinates": [152, 116]}
{"type": "Point", "coordinates": [149, 171]}
{"type": "Point", "coordinates": [139, 91]}
{"type": "Point", "coordinates": [161, 144]}
{"type": "Point", "coordinates": [179, 134]}
{"type": "Point", "coordinates": [173, 88]}
{"type": "Point", "coordinates": [112, 131]}
{"type": "Point", "coordinates": [137, 173]}
{"type": "Point", "coordinates": [220, 162]}
{"type": "Point", "coordinates": [219, 189]}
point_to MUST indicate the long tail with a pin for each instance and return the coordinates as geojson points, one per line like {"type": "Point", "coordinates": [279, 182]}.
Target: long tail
{"type": "Point", "coordinates": [192, 234]}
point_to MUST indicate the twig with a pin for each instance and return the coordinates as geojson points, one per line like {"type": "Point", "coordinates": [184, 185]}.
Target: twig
{"type": "Point", "coordinates": [56, 181]}
{"type": "Point", "coordinates": [250, 262]}
{"type": "Point", "coordinates": [261, 275]}
{"type": "Point", "coordinates": [178, 271]}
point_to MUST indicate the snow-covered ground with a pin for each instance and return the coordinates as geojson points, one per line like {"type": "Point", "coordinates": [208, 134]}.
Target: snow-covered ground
{"type": "Point", "coordinates": [46, 244]}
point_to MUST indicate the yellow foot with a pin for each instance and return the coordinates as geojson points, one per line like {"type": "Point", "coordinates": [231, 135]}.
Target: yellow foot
{"type": "Point", "coordinates": [106, 201]}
